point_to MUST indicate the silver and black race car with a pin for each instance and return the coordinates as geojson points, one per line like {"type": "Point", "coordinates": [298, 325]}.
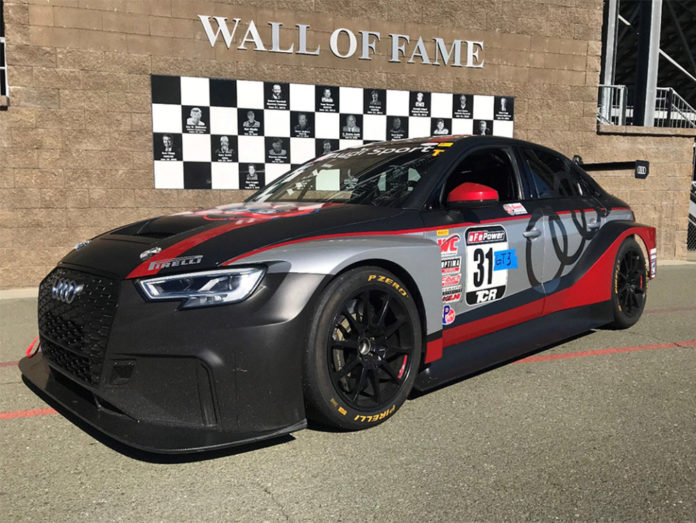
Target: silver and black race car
{"type": "Point", "coordinates": [334, 291]}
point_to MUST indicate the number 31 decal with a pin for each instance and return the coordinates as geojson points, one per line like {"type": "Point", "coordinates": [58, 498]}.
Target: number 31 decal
{"type": "Point", "coordinates": [487, 258]}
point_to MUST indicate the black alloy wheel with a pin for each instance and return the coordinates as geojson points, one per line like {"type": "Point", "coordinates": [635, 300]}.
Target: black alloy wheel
{"type": "Point", "coordinates": [364, 350]}
{"type": "Point", "coordinates": [629, 284]}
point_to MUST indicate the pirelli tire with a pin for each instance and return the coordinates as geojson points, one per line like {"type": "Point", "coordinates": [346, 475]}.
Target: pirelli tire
{"type": "Point", "coordinates": [364, 350]}
{"type": "Point", "coordinates": [629, 285]}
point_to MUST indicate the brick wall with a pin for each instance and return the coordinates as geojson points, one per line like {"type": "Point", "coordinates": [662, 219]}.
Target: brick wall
{"type": "Point", "coordinates": [76, 147]}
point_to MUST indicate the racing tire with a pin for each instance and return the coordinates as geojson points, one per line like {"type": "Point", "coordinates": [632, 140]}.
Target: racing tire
{"type": "Point", "coordinates": [363, 351]}
{"type": "Point", "coordinates": [628, 285]}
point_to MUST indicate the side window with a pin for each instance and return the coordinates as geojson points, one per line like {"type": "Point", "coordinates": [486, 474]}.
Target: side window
{"type": "Point", "coordinates": [551, 174]}
{"type": "Point", "coordinates": [491, 167]}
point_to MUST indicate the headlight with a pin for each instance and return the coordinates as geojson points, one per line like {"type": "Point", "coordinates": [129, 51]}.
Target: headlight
{"type": "Point", "coordinates": [199, 289]}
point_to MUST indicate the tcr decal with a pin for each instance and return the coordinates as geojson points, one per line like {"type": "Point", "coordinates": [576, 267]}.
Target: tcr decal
{"type": "Point", "coordinates": [448, 315]}
{"type": "Point", "coordinates": [487, 258]}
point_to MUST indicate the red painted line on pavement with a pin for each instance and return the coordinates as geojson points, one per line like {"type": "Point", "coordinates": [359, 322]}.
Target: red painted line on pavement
{"type": "Point", "coordinates": [26, 413]}
{"type": "Point", "coordinates": [600, 352]}
{"type": "Point", "coordinates": [673, 309]}
{"type": "Point", "coordinates": [530, 359]}
{"type": "Point", "coordinates": [8, 363]}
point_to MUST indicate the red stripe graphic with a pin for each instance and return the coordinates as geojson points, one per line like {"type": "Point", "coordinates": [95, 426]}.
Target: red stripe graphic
{"type": "Point", "coordinates": [601, 352]}
{"type": "Point", "coordinates": [593, 287]}
{"type": "Point", "coordinates": [184, 245]}
{"type": "Point", "coordinates": [530, 359]}
{"type": "Point", "coordinates": [26, 413]}
{"type": "Point", "coordinates": [376, 233]}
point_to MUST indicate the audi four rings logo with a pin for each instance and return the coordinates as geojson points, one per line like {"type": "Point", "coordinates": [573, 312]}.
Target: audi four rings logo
{"type": "Point", "coordinates": [66, 290]}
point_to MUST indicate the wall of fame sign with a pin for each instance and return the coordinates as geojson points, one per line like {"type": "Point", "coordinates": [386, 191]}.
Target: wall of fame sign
{"type": "Point", "coordinates": [211, 133]}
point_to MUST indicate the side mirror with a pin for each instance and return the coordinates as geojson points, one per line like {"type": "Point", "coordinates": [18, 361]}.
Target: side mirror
{"type": "Point", "coordinates": [468, 193]}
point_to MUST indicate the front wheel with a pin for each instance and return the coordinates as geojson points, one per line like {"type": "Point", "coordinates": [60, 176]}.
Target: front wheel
{"type": "Point", "coordinates": [364, 350]}
{"type": "Point", "coordinates": [628, 285]}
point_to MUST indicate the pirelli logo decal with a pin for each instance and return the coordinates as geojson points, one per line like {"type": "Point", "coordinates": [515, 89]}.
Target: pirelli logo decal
{"type": "Point", "coordinates": [175, 262]}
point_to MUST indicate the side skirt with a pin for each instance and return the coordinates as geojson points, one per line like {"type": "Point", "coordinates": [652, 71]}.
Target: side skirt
{"type": "Point", "coordinates": [475, 355]}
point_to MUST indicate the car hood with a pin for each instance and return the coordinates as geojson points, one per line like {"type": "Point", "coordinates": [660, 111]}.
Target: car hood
{"type": "Point", "coordinates": [205, 239]}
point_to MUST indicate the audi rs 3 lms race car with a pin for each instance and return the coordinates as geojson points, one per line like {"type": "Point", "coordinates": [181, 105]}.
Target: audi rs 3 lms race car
{"type": "Point", "coordinates": [334, 291]}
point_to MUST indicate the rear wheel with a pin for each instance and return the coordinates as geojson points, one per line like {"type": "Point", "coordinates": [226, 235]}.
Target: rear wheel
{"type": "Point", "coordinates": [364, 350]}
{"type": "Point", "coordinates": [629, 285]}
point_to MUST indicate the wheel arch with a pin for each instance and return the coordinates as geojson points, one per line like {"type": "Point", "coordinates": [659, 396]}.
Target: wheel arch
{"type": "Point", "coordinates": [404, 275]}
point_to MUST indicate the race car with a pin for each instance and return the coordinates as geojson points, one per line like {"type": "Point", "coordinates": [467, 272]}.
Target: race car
{"type": "Point", "coordinates": [334, 291]}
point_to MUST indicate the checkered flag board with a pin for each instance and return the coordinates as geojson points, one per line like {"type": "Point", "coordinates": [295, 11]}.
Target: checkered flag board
{"type": "Point", "coordinates": [212, 133]}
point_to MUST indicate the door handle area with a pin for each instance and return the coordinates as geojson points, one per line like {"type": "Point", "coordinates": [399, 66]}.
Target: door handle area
{"type": "Point", "coordinates": [532, 233]}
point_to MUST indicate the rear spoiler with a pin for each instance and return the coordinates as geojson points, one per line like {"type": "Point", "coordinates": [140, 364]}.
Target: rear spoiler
{"type": "Point", "coordinates": [641, 168]}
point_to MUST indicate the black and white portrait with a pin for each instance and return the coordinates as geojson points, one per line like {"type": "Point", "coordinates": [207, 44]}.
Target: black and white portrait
{"type": "Point", "coordinates": [325, 146]}
{"type": "Point", "coordinates": [302, 124]}
{"type": "Point", "coordinates": [462, 105]}
{"type": "Point", "coordinates": [504, 108]}
{"type": "Point", "coordinates": [441, 126]}
{"type": "Point", "coordinates": [326, 99]}
{"type": "Point", "coordinates": [351, 126]}
{"type": "Point", "coordinates": [277, 150]}
{"type": "Point", "coordinates": [251, 176]}
{"type": "Point", "coordinates": [397, 127]}
{"type": "Point", "coordinates": [167, 147]}
{"type": "Point", "coordinates": [483, 127]}
{"type": "Point", "coordinates": [224, 148]}
{"type": "Point", "coordinates": [195, 119]}
{"type": "Point", "coordinates": [249, 122]}
{"type": "Point", "coordinates": [276, 95]}
{"type": "Point", "coordinates": [374, 101]}
{"type": "Point", "coordinates": [419, 103]}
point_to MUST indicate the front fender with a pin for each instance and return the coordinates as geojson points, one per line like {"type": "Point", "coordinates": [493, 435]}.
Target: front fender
{"type": "Point", "coordinates": [418, 256]}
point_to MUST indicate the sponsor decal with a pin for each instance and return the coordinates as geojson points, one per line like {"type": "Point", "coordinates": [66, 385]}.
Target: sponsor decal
{"type": "Point", "coordinates": [449, 246]}
{"type": "Point", "coordinates": [505, 260]}
{"type": "Point", "coordinates": [175, 262]}
{"type": "Point", "coordinates": [375, 417]}
{"type": "Point", "coordinates": [387, 281]}
{"type": "Point", "coordinates": [450, 280]}
{"type": "Point", "coordinates": [483, 235]}
{"type": "Point", "coordinates": [514, 209]}
{"type": "Point", "coordinates": [451, 265]}
{"type": "Point", "coordinates": [487, 262]}
{"type": "Point", "coordinates": [441, 148]}
{"type": "Point", "coordinates": [452, 294]}
{"type": "Point", "coordinates": [448, 315]}
{"type": "Point", "coordinates": [443, 232]}
{"type": "Point", "coordinates": [653, 263]}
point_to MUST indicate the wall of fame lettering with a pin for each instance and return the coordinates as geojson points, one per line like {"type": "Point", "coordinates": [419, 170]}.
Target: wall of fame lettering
{"type": "Point", "coordinates": [211, 133]}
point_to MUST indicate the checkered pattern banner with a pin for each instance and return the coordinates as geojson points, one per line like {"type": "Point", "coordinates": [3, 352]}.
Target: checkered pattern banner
{"type": "Point", "coordinates": [211, 133]}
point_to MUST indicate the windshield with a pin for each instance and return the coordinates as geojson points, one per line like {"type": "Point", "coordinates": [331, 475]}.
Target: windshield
{"type": "Point", "coordinates": [381, 175]}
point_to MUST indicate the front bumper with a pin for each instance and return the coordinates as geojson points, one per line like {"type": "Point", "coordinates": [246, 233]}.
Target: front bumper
{"type": "Point", "coordinates": [146, 435]}
{"type": "Point", "coordinates": [194, 380]}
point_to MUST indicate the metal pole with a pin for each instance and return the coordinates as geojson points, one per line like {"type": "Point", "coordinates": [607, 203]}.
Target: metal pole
{"type": "Point", "coordinates": [648, 56]}
{"type": "Point", "coordinates": [609, 57]}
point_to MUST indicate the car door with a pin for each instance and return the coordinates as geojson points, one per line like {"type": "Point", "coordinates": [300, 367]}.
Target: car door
{"type": "Point", "coordinates": [570, 213]}
{"type": "Point", "coordinates": [484, 250]}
